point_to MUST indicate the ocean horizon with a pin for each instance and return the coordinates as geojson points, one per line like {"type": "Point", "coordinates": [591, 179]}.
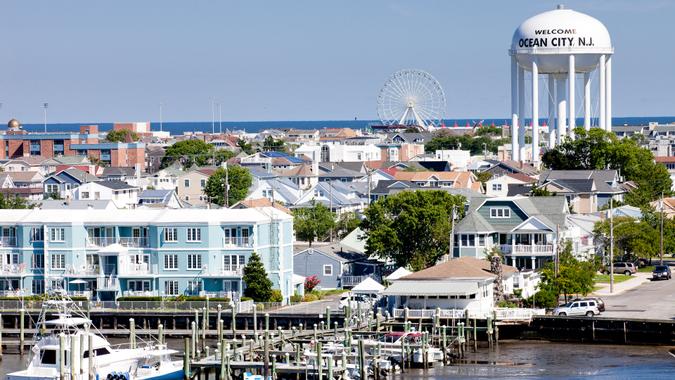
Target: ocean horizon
{"type": "Point", "coordinates": [180, 127]}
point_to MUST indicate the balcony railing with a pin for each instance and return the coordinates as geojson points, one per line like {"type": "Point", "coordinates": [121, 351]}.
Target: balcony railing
{"type": "Point", "coordinates": [351, 281]}
{"type": "Point", "coordinates": [527, 249]}
{"type": "Point", "coordinates": [87, 270]}
{"type": "Point", "coordinates": [231, 270]}
{"type": "Point", "coordinates": [7, 241]}
{"type": "Point", "coordinates": [9, 269]}
{"type": "Point", "coordinates": [135, 268]}
{"type": "Point", "coordinates": [238, 241]}
{"type": "Point", "coordinates": [108, 283]}
{"type": "Point", "coordinates": [130, 242]}
{"type": "Point", "coordinates": [141, 293]}
{"type": "Point", "coordinates": [80, 293]}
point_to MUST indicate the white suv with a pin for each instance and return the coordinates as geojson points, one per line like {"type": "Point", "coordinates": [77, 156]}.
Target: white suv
{"type": "Point", "coordinates": [588, 308]}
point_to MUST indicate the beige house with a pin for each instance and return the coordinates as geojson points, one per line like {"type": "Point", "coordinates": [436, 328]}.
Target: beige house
{"type": "Point", "coordinates": [190, 186]}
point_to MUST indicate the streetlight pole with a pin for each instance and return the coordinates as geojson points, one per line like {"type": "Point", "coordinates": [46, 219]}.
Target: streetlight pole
{"type": "Point", "coordinates": [661, 257]}
{"type": "Point", "coordinates": [611, 245]}
{"type": "Point", "coordinates": [213, 116]}
{"type": "Point", "coordinates": [220, 118]}
{"type": "Point", "coordinates": [45, 106]}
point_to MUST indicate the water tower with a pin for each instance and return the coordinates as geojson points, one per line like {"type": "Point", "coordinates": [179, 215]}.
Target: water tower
{"type": "Point", "coordinates": [560, 45]}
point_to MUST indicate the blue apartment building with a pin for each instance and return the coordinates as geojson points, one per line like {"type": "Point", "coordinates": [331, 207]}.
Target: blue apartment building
{"type": "Point", "coordinates": [105, 254]}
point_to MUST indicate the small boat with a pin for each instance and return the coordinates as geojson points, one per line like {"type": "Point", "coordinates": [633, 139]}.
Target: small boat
{"type": "Point", "coordinates": [391, 345]}
{"type": "Point", "coordinates": [70, 345]}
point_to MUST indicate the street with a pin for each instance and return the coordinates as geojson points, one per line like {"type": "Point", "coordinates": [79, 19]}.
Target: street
{"type": "Point", "coordinates": [650, 300]}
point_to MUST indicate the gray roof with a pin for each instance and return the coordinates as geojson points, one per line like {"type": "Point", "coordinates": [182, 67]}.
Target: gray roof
{"type": "Point", "coordinates": [603, 178]}
{"type": "Point", "coordinates": [551, 211]}
{"type": "Point", "coordinates": [118, 171]}
{"type": "Point", "coordinates": [164, 195]}
{"type": "Point", "coordinates": [116, 185]}
{"type": "Point", "coordinates": [575, 185]}
{"type": "Point", "coordinates": [80, 175]}
{"type": "Point", "coordinates": [335, 252]}
{"type": "Point", "coordinates": [332, 170]}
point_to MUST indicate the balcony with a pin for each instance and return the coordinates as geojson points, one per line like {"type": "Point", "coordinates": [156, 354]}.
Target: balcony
{"type": "Point", "coordinates": [81, 293]}
{"type": "Point", "coordinates": [129, 242]}
{"type": "Point", "coordinates": [135, 268]}
{"type": "Point", "coordinates": [527, 249]}
{"type": "Point", "coordinates": [8, 241]}
{"type": "Point", "coordinates": [87, 270]}
{"type": "Point", "coordinates": [108, 283]}
{"type": "Point", "coordinates": [231, 271]}
{"type": "Point", "coordinates": [140, 293]}
{"type": "Point", "coordinates": [13, 269]}
{"type": "Point", "coordinates": [351, 281]}
{"type": "Point", "coordinates": [238, 242]}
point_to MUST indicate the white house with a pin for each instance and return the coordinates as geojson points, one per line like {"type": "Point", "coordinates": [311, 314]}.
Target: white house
{"type": "Point", "coordinates": [123, 194]}
{"type": "Point", "coordinates": [498, 186]}
{"type": "Point", "coordinates": [274, 189]}
{"type": "Point", "coordinates": [456, 286]}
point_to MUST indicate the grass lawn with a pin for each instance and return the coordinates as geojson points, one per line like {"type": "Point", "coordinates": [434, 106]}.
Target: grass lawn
{"type": "Point", "coordinates": [647, 269]}
{"type": "Point", "coordinates": [605, 278]}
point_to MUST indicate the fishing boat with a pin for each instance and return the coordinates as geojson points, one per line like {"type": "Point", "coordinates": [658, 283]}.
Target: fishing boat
{"type": "Point", "coordinates": [67, 345]}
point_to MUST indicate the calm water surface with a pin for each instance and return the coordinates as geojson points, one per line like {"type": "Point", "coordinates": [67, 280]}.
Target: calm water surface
{"type": "Point", "coordinates": [528, 360]}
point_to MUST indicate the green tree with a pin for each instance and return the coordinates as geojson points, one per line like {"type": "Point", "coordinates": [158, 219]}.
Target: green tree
{"type": "Point", "coordinates": [573, 276]}
{"type": "Point", "coordinates": [475, 144]}
{"type": "Point", "coordinates": [189, 153]}
{"type": "Point", "coordinates": [483, 177]}
{"type": "Point", "coordinates": [540, 191]}
{"type": "Point", "coordinates": [12, 202]}
{"type": "Point", "coordinates": [258, 284]}
{"type": "Point", "coordinates": [239, 179]}
{"type": "Point", "coordinates": [313, 223]}
{"type": "Point", "coordinates": [598, 149]}
{"type": "Point", "coordinates": [245, 146]}
{"type": "Point", "coordinates": [122, 136]}
{"type": "Point", "coordinates": [346, 223]}
{"type": "Point", "coordinates": [412, 228]}
{"type": "Point", "coordinates": [274, 145]}
{"type": "Point", "coordinates": [635, 238]}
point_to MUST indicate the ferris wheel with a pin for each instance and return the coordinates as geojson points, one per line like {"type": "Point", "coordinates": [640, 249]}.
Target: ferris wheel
{"type": "Point", "coordinates": [411, 98]}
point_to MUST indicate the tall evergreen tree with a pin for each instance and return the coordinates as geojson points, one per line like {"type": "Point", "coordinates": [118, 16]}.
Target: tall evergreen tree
{"type": "Point", "coordinates": [258, 285]}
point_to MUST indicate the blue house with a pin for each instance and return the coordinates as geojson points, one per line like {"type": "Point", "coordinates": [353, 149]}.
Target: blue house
{"type": "Point", "coordinates": [63, 182]}
{"type": "Point", "coordinates": [334, 265]}
{"type": "Point", "coordinates": [142, 252]}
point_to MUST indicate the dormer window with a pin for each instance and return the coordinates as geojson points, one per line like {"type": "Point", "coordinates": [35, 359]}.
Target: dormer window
{"type": "Point", "coordinates": [500, 212]}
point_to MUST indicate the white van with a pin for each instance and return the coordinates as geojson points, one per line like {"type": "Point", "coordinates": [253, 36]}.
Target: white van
{"type": "Point", "coordinates": [588, 308]}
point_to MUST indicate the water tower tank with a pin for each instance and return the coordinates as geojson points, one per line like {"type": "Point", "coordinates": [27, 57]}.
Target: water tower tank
{"type": "Point", "coordinates": [550, 37]}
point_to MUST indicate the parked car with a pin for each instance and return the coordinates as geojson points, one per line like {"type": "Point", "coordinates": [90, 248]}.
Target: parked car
{"type": "Point", "coordinates": [598, 301]}
{"type": "Point", "coordinates": [588, 308]}
{"type": "Point", "coordinates": [661, 272]}
{"type": "Point", "coordinates": [623, 267]}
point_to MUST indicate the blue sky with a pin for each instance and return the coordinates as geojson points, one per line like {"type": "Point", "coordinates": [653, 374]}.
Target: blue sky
{"type": "Point", "coordinates": [295, 60]}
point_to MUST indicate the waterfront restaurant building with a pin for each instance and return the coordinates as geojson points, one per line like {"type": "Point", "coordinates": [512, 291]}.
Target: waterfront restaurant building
{"type": "Point", "coordinates": [106, 254]}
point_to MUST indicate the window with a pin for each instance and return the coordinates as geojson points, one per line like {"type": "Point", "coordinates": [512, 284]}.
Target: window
{"type": "Point", "coordinates": [496, 187]}
{"type": "Point", "coordinates": [171, 288]}
{"type": "Point", "coordinates": [37, 286]}
{"type": "Point", "coordinates": [500, 212]}
{"type": "Point", "coordinates": [139, 285]}
{"type": "Point", "coordinates": [328, 270]}
{"type": "Point", "coordinates": [468, 240]}
{"type": "Point", "coordinates": [481, 240]}
{"type": "Point", "coordinates": [38, 261]}
{"type": "Point", "coordinates": [171, 234]}
{"type": "Point", "coordinates": [194, 261]}
{"type": "Point", "coordinates": [202, 183]}
{"type": "Point", "coordinates": [171, 261]}
{"type": "Point", "coordinates": [186, 183]}
{"type": "Point", "coordinates": [85, 195]}
{"type": "Point", "coordinates": [52, 188]}
{"type": "Point", "coordinates": [57, 234]}
{"type": "Point", "coordinates": [233, 262]}
{"type": "Point", "coordinates": [58, 261]}
{"type": "Point", "coordinates": [194, 286]}
{"type": "Point", "coordinates": [194, 234]}
{"type": "Point", "coordinates": [37, 234]}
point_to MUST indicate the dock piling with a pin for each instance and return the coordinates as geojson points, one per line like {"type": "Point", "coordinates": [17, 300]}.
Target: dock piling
{"type": "Point", "coordinates": [132, 332]}
{"type": "Point", "coordinates": [22, 317]}
{"type": "Point", "coordinates": [186, 358]}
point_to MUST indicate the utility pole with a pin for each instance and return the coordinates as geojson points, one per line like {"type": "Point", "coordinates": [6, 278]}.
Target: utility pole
{"type": "Point", "coordinates": [227, 185]}
{"type": "Point", "coordinates": [661, 257]}
{"type": "Point", "coordinates": [556, 262]}
{"type": "Point", "coordinates": [611, 245]}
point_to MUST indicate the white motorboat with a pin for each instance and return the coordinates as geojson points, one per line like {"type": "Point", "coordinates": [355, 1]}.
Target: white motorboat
{"type": "Point", "coordinates": [69, 345]}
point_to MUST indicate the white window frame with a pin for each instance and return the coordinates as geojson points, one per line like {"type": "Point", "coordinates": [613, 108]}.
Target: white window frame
{"type": "Point", "coordinates": [330, 270]}
{"type": "Point", "coordinates": [194, 261]}
{"type": "Point", "coordinates": [57, 234]}
{"type": "Point", "coordinates": [37, 261]}
{"type": "Point", "coordinates": [170, 234]}
{"type": "Point", "coordinates": [500, 212]}
{"type": "Point", "coordinates": [496, 187]}
{"type": "Point", "coordinates": [58, 261]}
{"type": "Point", "coordinates": [37, 234]}
{"type": "Point", "coordinates": [171, 287]}
{"type": "Point", "coordinates": [171, 261]}
{"type": "Point", "coordinates": [194, 234]}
